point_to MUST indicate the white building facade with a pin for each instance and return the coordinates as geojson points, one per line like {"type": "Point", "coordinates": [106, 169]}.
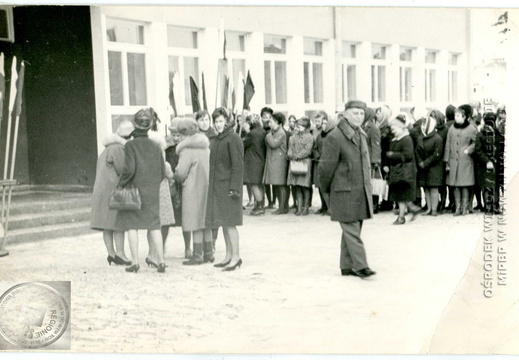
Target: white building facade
{"type": "Point", "coordinates": [301, 59]}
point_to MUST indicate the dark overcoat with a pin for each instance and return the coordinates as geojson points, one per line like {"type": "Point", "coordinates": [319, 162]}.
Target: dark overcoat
{"type": "Point", "coordinates": [225, 174]}
{"type": "Point", "coordinates": [429, 150]}
{"type": "Point", "coordinates": [345, 172]}
{"type": "Point", "coordinates": [489, 148]}
{"type": "Point", "coordinates": [402, 153]}
{"type": "Point", "coordinates": [255, 152]}
{"type": "Point", "coordinates": [144, 168]}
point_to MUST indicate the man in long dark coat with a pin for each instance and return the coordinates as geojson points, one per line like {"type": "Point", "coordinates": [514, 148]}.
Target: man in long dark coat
{"type": "Point", "coordinates": [345, 171]}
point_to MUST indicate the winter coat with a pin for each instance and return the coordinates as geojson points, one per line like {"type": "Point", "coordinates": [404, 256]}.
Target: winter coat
{"type": "Point", "coordinates": [192, 172]}
{"type": "Point", "coordinates": [489, 148]}
{"type": "Point", "coordinates": [225, 175]}
{"type": "Point", "coordinates": [109, 167]}
{"type": "Point", "coordinates": [373, 132]}
{"type": "Point", "coordinates": [176, 188]}
{"type": "Point", "coordinates": [255, 152]}
{"type": "Point", "coordinates": [276, 164]}
{"type": "Point", "coordinates": [317, 151]}
{"type": "Point", "coordinates": [402, 153]}
{"type": "Point", "coordinates": [345, 173]}
{"type": "Point", "coordinates": [144, 168]}
{"type": "Point", "coordinates": [386, 137]}
{"type": "Point", "coordinates": [300, 148]}
{"type": "Point", "coordinates": [429, 151]}
{"type": "Point", "coordinates": [461, 165]}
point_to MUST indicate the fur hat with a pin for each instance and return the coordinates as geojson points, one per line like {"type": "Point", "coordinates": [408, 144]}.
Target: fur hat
{"type": "Point", "coordinates": [144, 118]}
{"type": "Point", "coordinates": [304, 121]}
{"type": "Point", "coordinates": [467, 110]}
{"type": "Point", "coordinates": [355, 104]}
{"type": "Point", "coordinates": [173, 127]}
{"type": "Point", "coordinates": [187, 126]}
{"type": "Point", "coordinates": [125, 128]}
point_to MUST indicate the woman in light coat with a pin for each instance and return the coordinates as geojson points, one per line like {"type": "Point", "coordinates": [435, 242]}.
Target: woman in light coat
{"type": "Point", "coordinates": [459, 147]}
{"type": "Point", "coordinates": [109, 167]}
{"type": "Point", "coordinates": [276, 164]}
{"type": "Point", "coordinates": [192, 172]}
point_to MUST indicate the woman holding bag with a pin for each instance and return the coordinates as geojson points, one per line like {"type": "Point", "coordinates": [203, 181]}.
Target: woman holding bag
{"type": "Point", "coordinates": [144, 168]}
{"type": "Point", "coordinates": [300, 169]}
{"type": "Point", "coordinates": [402, 170]}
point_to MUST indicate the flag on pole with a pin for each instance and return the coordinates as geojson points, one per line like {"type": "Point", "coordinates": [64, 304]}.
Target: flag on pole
{"type": "Point", "coordinates": [19, 91]}
{"type": "Point", "coordinates": [222, 41]}
{"type": "Point", "coordinates": [239, 92]}
{"type": "Point", "coordinates": [195, 103]}
{"type": "Point", "coordinates": [2, 84]}
{"type": "Point", "coordinates": [203, 92]}
{"type": "Point", "coordinates": [248, 92]}
{"type": "Point", "coordinates": [172, 97]}
{"type": "Point", "coordinates": [225, 93]}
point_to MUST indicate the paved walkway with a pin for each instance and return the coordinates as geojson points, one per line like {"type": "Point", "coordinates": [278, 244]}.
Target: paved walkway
{"type": "Point", "coordinates": [288, 297]}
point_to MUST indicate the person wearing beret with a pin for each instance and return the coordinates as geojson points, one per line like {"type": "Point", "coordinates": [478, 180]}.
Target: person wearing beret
{"type": "Point", "coordinates": [345, 173]}
{"type": "Point", "coordinates": [224, 200]}
{"type": "Point", "coordinates": [144, 168]}
{"type": "Point", "coordinates": [300, 148]}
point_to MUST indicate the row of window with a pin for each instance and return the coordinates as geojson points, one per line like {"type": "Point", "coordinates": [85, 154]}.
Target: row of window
{"type": "Point", "coordinates": [126, 44]}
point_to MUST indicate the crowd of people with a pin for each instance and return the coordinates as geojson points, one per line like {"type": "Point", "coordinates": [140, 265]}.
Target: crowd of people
{"type": "Point", "coordinates": [433, 162]}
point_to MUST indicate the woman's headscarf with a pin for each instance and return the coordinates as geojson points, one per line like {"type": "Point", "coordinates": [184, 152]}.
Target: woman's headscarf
{"type": "Point", "coordinates": [383, 118]}
{"type": "Point", "coordinates": [439, 117]}
{"type": "Point", "coordinates": [428, 126]}
{"type": "Point", "coordinates": [369, 116]}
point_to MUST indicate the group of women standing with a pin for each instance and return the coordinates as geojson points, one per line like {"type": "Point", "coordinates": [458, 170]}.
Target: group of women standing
{"type": "Point", "coordinates": [435, 155]}
{"type": "Point", "coordinates": [204, 171]}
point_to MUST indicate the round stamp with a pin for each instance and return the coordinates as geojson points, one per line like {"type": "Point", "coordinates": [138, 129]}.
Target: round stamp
{"type": "Point", "coordinates": [33, 315]}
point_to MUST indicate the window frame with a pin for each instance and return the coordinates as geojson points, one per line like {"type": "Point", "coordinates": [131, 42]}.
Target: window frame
{"type": "Point", "coordinates": [345, 63]}
{"type": "Point", "coordinates": [273, 58]}
{"type": "Point", "coordinates": [311, 60]}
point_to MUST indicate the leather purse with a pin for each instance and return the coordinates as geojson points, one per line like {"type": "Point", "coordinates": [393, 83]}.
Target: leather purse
{"type": "Point", "coordinates": [125, 199]}
{"type": "Point", "coordinates": [299, 167]}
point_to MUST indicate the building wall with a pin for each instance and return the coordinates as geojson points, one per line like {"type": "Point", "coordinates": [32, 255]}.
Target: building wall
{"type": "Point", "coordinates": [59, 104]}
{"type": "Point", "coordinates": [444, 31]}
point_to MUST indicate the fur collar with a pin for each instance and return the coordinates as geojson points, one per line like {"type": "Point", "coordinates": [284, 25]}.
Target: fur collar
{"type": "Point", "coordinates": [158, 139]}
{"type": "Point", "coordinates": [113, 139]}
{"type": "Point", "coordinates": [196, 141]}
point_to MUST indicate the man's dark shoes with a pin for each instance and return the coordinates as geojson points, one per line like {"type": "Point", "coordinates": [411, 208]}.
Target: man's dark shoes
{"type": "Point", "coordinates": [346, 272]}
{"type": "Point", "coordinates": [364, 273]}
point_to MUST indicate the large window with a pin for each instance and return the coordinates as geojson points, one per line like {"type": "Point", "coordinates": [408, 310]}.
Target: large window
{"type": "Point", "coordinates": [430, 75]}
{"type": "Point", "coordinates": [349, 71]}
{"type": "Point", "coordinates": [126, 63]}
{"type": "Point", "coordinates": [378, 72]}
{"type": "Point", "coordinates": [183, 62]}
{"type": "Point", "coordinates": [406, 74]}
{"type": "Point", "coordinates": [275, 66]}
{"type": "Point", "coordinates": [453, 78]}
{"type": "Point", "coordinates": [313, 71]}
{"type": "Point", "coordinates": [236, 56]}
{"type": "Point", "coordinates": [127, 67]}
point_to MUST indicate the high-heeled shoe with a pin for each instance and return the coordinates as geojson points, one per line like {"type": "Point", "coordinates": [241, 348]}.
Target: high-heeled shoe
{"type": "Point", "coordinates": [111, 260]}
{"type": "Point", "coordinates": [133, 268]}
{"type": "Point", "coordinates": [231, 268]}
{"type": "Point", "coordinates": [161, 268]}
{"type": "Point", "coordinates": [223, 264]}
{"type": "Point", "coordinates": [151, 263]}
{"type": "Point", "coordinates": [120, 261]}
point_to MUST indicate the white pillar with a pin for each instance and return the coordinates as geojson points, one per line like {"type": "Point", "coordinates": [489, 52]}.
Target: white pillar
{"type": "Point", "coordinates": [364, 71]}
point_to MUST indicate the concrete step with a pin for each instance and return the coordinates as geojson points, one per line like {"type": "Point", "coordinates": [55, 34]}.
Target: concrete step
{"type": "Point", "coordinates": [44, 218]}
{"type": "Point", "coordinates": [48, 232]}
{"type": "Point", "coordinates": [38, 202]}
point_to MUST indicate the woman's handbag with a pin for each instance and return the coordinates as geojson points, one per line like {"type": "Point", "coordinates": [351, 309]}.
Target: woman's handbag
{"type": "Point", "coordinates": [401, 173]}
{"type": "Point", "coordinates": [378, 184]}
{"type": "Point", "coordinates": [299, 167]}
{"type": "Point", "coordinates": [125, 199]}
